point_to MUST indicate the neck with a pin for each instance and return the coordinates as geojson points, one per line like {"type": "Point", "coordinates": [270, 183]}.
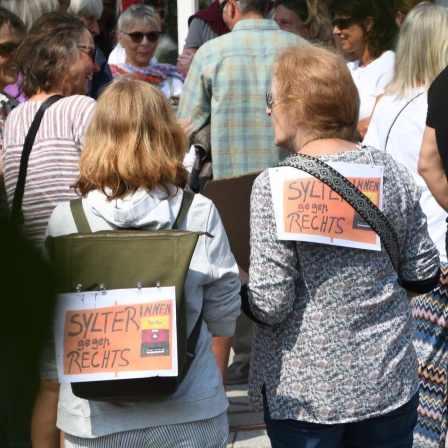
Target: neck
{"type": "Point", "coordinates": [252, 15]}
{"type": "Point", "coordinates": [249, 15]}
{"type": "Point", "coordinates": [42, 96]}
{"type": "Point", "coordinates": [365, 58]}
{"type": "Point", "coordinates": [322, 146]}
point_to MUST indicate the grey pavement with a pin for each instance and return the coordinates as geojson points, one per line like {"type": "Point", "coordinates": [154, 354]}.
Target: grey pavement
{"type": "Point", "coordinates": [247, 429]}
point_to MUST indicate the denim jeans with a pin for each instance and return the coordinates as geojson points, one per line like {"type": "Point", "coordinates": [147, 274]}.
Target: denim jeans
{"type": "Point", "coordinates": [391, 430]}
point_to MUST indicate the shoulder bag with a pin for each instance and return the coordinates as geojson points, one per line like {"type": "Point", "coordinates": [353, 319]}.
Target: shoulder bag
{"type": "Point", "coordinates": [16, 211]}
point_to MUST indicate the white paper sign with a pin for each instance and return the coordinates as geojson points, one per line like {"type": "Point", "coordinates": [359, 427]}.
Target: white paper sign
{"type": "Point", "coordinates": [306, 209]}
{"type": "Point", "coordinates": [116, 334]}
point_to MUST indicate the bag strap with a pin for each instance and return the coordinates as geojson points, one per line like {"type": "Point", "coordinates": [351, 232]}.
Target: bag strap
{"type": "Point", "coordinates": [187, 200]}
{"type": "Point", "coordinates": [79, 216]}
{"type": "Point", "coordinates": [395, 119]}
{"type": "Point", "coordinates": [83, 225]}
{"type": "Point", "coordinates": [355, 197]}
{"type": "Point", "coordinates": [16, 210]}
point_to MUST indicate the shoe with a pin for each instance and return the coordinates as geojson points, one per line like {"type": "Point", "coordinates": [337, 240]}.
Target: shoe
{"type": "Point", "coordinates": [237, 373]}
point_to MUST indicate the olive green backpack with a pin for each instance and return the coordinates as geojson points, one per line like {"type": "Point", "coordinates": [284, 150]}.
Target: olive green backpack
{"type": "Point", "coordinates": [121, 259]}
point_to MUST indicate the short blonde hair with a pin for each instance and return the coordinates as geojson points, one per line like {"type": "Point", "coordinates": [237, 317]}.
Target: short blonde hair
{"type": "Point", "coordinates": [421, 53]}
{"type": "Point", "coordinates": [321, 98]}
{"type": "Point", "coordinates": [132, 141]}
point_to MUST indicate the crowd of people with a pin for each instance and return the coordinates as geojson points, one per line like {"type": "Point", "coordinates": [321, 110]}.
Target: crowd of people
{"type": "Point", "coordinates": [343, 342]}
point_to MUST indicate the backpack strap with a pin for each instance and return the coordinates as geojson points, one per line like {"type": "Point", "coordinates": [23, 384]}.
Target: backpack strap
{"type": "Point", "coordinates": [80, 216]}
{"type": "Point", "coordinates": [83, 225]}
{"type": "Point", "coordinates": [192, 340]}
{"type": "Point", "coordinates": [187, 200]}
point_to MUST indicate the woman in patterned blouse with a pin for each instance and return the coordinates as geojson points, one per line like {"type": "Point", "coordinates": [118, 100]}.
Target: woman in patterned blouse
{"type": "Point", "coordinates": [332, 355]}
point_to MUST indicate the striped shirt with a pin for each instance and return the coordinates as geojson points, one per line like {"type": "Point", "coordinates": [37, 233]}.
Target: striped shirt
{"type": "Point", "coordinates": [53, 163]}
{"type": "Point", "coordinates": [227, 83]}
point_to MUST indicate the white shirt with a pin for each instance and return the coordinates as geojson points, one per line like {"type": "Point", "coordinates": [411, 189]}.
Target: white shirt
{"type": "Point", "coordinates": [371, 80]}
{"type": "Point", "coordinates": [403, 145]}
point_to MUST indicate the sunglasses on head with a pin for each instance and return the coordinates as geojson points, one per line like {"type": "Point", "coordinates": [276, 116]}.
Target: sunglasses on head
{"type": "Point", "coordinates": [137, 36]}
{"type": "Point", "coordinates": [343, 24]}
{"type": "Point", "coordinates": [91, 51]}
{"type": "Point", "coordinates": [7, 49]}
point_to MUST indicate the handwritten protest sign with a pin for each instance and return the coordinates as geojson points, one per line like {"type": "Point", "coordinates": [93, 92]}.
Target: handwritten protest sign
{"type": "Point", "coordinates": [306, 209]}
{"type": "Point", "coordinates": [116, 334]}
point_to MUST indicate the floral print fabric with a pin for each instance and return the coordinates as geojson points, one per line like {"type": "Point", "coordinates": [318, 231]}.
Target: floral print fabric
{"type": "Point", "coordinates": [338, 347]}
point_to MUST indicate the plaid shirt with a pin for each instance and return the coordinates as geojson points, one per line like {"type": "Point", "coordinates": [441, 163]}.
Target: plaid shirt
{"type": "Point", "coordinates": [227, 83]}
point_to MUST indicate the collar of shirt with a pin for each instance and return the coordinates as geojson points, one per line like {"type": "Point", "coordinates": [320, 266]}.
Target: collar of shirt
{"type": "Point", "coordinates": [260, 24]}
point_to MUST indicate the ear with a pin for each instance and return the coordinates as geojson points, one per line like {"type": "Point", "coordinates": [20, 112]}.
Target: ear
{"type": "Point", "coordinates": [119, 37]}
{"type": "Point", "coordinates": [232, 8]}
{"type": "Point", "coordinates": [369, 22]}
{"type": "Point", "coordinates": [399, 17]}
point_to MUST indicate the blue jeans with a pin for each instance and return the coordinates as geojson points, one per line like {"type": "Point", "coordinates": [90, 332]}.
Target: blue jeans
{"type": "Point", "coordinates": [391, 430]}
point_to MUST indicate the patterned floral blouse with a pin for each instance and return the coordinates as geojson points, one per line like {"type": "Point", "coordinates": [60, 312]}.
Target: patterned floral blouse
{"type": "Point", "coordinates": [338, 347]}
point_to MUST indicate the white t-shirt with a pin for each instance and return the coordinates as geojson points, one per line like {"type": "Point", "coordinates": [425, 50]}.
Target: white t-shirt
{"type": "Point", "coordinates": [371, 80]}
{"type": "Point", "coordinates": [118, 56]}
{"type": "Point", "coordinates": [403, 145]}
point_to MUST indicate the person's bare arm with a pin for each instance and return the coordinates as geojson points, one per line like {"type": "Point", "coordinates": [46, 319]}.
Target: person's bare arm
{"type": "Point", "coordinates": [430, 167]}
{"type": "Point", "coordinates": [185, 58]}
{"type": "Point", "coordinates": [44, 433]}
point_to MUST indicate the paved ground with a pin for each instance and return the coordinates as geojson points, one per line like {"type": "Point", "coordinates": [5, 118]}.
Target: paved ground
{"type": "Point", "coordinates": [247, 429]}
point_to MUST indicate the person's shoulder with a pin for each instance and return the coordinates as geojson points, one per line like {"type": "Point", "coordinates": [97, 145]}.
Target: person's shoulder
{"type": "Point", "coordinates": [262, 180]}
{"type": "Point", "coordinates": [440, 83]}
{"type": "Point", "coordinates": [387, 59]}
{"type": "Point", "coordinates": [77, 103]}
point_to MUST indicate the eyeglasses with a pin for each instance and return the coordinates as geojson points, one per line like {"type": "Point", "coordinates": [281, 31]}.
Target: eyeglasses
{"type": "Point", "coordinates": [270, 100]}
{"type": "Point", "coordinates": [343, 24]}
{"type": "Point", "coordinates": [7, 49]}
{"type": "Point", "coordinates": [137, 36]}
{"type": "Point", "coordinates": [222, 6]}
{"type": "Point", "coordinates": [91, 51]}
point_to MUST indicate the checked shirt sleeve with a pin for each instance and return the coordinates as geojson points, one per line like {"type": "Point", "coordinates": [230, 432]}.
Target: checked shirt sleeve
{"type": "Point", "coordinates": [196, 97]}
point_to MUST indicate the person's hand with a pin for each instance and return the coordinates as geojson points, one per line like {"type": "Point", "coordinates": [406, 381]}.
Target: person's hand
{"type": "Point", "coordinates": [363, 125]}
{"type": "Point", "coordinates": [185, 59]}
{"type": "Point", "coordinates": [243, 276]}
{"type": "Point", "coordinates": [186, 125]}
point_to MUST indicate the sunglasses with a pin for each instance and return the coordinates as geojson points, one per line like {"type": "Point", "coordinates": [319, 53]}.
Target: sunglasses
{"type": "Point", "coordinates": [222, 6]}
{"type": "Point", "coordinates": [343, 24]}
{"type": "Point", "coordinates": [270, 99]}
{"type": "Point", "coordinates": [7, 49]}
{"type": "Point", "coordinates": [91, 51]}
{"type": "Point", "coordinates": [137, 36]}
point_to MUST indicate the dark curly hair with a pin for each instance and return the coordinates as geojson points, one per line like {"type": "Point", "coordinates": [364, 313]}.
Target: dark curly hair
{"type": "Point", "coordinates": [383, 34]}
{"type": "Point", "coordinates": [46, 52]}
